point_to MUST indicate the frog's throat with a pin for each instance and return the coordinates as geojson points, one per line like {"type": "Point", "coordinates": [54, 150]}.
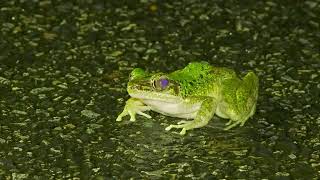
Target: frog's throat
{"type": "Point", "coordinates": [155, 96]}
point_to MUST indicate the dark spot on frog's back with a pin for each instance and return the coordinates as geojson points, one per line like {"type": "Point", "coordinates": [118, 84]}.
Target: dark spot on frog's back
{"type": "Point", "coordinates": [176, 89]}
{"type": "Point", "coordinates": [215, 71]}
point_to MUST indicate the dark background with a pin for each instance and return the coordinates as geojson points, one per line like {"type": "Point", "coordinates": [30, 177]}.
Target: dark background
{"type": "Point", "coordinates": [64, 66]}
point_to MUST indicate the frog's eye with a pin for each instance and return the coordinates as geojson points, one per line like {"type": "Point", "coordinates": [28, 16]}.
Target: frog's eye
{"type": "Point", "coordinates": [161, 83]}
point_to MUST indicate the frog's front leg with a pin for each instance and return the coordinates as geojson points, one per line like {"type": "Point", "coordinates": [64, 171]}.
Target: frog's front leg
{"type": "Point", "coordinates": [134, 106]}
{"type": "Point", "coordinates": [205, 113]}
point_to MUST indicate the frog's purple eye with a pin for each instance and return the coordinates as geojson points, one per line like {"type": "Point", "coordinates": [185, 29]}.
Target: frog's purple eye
{"type": "Point", "coordinates": [161, 83]}
{"type": "Point", "coordinates": [164, 83]}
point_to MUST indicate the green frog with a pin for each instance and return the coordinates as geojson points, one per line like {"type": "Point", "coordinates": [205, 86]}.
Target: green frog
{"type": "Point", "coordinates": [196, 92]}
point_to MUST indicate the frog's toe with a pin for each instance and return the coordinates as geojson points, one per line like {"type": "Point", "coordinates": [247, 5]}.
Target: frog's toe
{"type": "Point", "coordinates": [173, 126]}
{"type": "Point", "coordinates": [144, 114]}
{"type": "Point", "coordinates": [132, 116]}
{"type": "Point", "coordinates": [169, 128]}
{"type": "Point", "coordinates": [229, 122]}
{"type": "Point", "coordinates": [232, 125]}
{"type": "Point", "coordinates": [132, 119]}
{"type": "Point", "coordinates": [242, 123]}
{"type": "Point", "coordinates": [119, 118]}
{"type": "Point", "coordinates": [183, 122]}
{"type": "Point", "coordinates": [183, 131]}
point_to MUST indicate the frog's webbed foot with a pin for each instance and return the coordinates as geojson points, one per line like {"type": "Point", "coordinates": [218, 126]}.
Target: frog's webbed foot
{"type": "Point", "coordinates": [133, 107]}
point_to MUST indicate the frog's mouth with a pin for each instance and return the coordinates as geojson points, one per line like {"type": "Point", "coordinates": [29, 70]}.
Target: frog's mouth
{"type": "Point", "coordinates": [154, 95]}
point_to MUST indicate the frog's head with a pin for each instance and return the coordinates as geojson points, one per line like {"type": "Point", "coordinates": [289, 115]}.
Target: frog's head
{"type": "Point", "coordinates": [158, 86]}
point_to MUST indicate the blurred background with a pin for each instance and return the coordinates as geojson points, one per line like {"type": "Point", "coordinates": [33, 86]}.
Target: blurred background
{"type": "Point", "coordinates": [64, 68]}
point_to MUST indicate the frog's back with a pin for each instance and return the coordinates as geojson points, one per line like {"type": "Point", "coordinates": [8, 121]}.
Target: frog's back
{"type": "Point", "coordinates": [204, 71]}
{"type": "Point", "coordinates": [200, 79]}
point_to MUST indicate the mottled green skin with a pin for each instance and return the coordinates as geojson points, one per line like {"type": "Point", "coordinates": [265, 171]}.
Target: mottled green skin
{"type": "Point", "coordinates": [196, 92]}
{"type": "Point", "coordinates": [200, 79]}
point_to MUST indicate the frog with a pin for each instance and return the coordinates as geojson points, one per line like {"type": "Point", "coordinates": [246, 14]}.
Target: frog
{"type": "Point", "coordinates": [195, 94]}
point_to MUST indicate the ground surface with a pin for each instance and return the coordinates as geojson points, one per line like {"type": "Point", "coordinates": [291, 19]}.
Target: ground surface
{"type": "Point", "coordinates": [64, 66]}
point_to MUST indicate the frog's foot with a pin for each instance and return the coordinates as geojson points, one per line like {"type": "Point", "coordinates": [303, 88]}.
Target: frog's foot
{"type": "Point", "coordinates": [133, 107]}
{"type": "Point", "coordinates": [229, 122]}
{"type": "Point", "coordinates": [184, 125]}
{"type": "Point", "coordinates": [232, 124]}
{"type": "Point", "coordinates": [202, 118]}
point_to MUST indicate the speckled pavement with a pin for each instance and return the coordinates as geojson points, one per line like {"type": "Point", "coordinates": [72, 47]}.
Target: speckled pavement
{"type": "Point", "coordinates": [64, 66]}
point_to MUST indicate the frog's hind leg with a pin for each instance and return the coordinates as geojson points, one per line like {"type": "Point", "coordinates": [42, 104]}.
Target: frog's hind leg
{"type": "Point", "coordinates": [202, 118]}
{"type": "Point", "coordinates": [246, 98]}
{"type": "Point", "coordinates": [247, 93]}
